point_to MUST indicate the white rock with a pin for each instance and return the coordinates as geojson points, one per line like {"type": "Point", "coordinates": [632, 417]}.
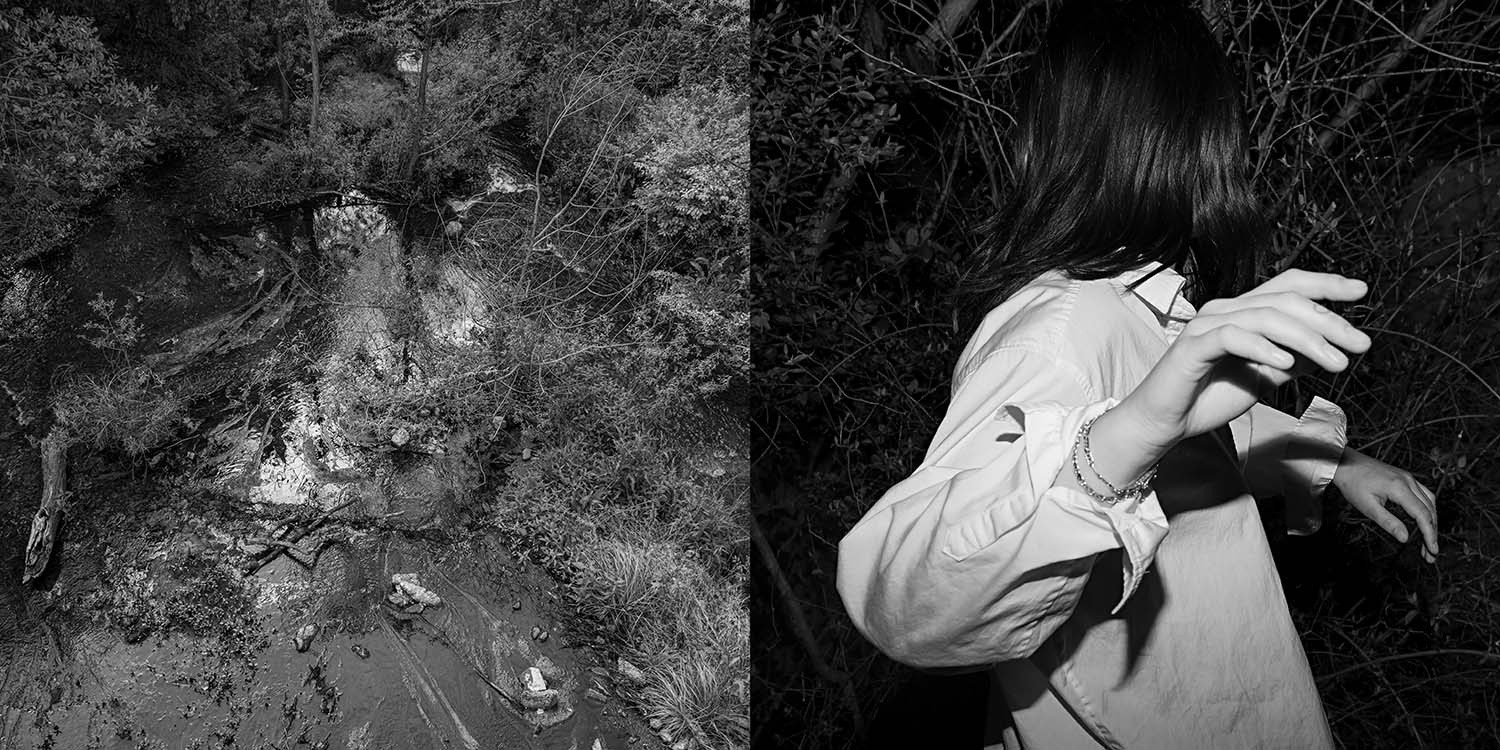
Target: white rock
{"type": "Point", "coordinates": [453, 228]}
{"type": "Point", "coordinates": [407, 584]}
{"type": "Point", "coordinates": [533, 680]}
{"type": "Point", "coordinates": [400, 437]}
{"type": "Point", "coordinates": [305, 636]}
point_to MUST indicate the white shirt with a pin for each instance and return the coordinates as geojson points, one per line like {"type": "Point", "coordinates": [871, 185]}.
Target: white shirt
{"type": "Point", "coordinates": [1152, 624]}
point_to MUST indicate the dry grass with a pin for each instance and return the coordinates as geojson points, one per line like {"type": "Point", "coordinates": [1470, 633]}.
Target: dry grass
{"type": "Point", "coordinates": [129, 409]}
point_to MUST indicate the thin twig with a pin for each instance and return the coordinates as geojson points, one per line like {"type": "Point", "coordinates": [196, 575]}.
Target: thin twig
{"type": "Point", "coordinates": [801, 628]}
{"type": "Point", "coordinates": [1391, 60]}
{"type": "Point", "coordinates": [1413, 655]}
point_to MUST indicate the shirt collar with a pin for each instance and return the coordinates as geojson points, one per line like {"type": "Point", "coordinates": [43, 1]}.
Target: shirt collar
{"type": "Point", "coordinates": [1157, 284]}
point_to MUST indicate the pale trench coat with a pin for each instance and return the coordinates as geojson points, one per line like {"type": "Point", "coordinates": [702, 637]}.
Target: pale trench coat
{"type": "Point", "coordinates": [1117, 627]}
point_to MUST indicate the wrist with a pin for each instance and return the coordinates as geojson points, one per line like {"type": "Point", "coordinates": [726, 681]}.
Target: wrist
{"type": "Point", "coordinates": [1121, 451]}
{"type": "Point", "coordinates": [1340, 473]}
{"type": "Point", "coordinates": [1127, 418]}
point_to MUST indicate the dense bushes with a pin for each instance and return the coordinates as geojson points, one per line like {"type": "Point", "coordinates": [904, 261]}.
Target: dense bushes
{"type": "Point", "coordinates": [73, 125]}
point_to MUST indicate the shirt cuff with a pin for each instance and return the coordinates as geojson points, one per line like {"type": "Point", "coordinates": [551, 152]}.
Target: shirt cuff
{"type": "Point", "coordinates": [1138, 525]}
{"type": "Point", "coordinates": [1312, 456]}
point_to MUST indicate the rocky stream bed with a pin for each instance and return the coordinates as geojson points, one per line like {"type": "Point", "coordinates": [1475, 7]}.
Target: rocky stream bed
{"type": "Point", "coordinates": [279, 574]}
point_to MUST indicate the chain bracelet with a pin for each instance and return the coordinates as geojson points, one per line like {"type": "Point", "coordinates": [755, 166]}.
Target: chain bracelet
{"type": "Point", "coordinates": [1134, 490]}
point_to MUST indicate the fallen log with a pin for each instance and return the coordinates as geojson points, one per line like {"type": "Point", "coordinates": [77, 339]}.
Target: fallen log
{"type": "Point", "coordinates": [48, 516]}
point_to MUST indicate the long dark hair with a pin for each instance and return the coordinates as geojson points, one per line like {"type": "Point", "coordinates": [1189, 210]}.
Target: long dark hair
{"type": "Point", "coordinates": [1129, 147]}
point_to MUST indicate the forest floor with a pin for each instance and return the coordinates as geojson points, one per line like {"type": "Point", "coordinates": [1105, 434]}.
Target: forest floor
{"type": "Point", "coordinates": [256, 348]}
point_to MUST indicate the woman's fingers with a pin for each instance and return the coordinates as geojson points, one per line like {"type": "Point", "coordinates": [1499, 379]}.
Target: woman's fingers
{"type": "Point", "coordinates": [1325, 322]}
{"type": "Point", "coordinates": [1428, 501]}
{"type": "Point", "coordinates": [1417, 509]}
{"type": "Point", "coordinates": [1285, 331]}
{"type": "Point", "coordinates": [1229, 338]}
{"type": "Point", "coordinates": [1388, 521]}
{"type": "Point", "coordinates": [1313, 285]}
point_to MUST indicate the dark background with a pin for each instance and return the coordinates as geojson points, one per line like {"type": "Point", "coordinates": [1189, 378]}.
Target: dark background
{"type": "Point", "coordinates": [876, 152]}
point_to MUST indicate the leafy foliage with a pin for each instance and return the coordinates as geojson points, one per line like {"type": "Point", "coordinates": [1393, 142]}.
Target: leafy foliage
{"type": "Point", "coordinates": [694, 156]}
{"type": "Point", "coordinates": [73, 127]}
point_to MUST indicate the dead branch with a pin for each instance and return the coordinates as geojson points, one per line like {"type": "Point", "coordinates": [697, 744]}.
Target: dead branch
{"type": "Point", "coordinates": [49, 515]}
{"type": "Point", "coordinates": [262, 559]}
{"type": "Point", "coordinates": [948, 19]}
{"type": "Point", "coordinates": [1360, 97]}
{"type": "Point", "coordinates": [800, 627]}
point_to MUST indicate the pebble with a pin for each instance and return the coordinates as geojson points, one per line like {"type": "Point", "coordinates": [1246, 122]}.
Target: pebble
{"type": "Point", "coordinates": [655, 725]}
{"type": "Point", "coordinates": [360, 651]}
{"type": "Point", "coordinates": [549, 669]}
{"type": "Point", "coordinates": [680, 745]}
{"type": "Point", "coordinates": [525, 454]}
{"type": "Point", "coordinates": [596, 695]}
{"type": "Point", "coordinates": [630, 671]}
{"type": "Point", "coordinates": [516, 606]}
{"type": "Point", "coordinates": [536, 632]}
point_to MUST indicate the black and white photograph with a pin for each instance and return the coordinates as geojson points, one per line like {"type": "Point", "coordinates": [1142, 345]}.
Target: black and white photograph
{"type": "Point", "coordinates": [1129, 374]}
{"type": "Point", "coordinates": [374, 374]}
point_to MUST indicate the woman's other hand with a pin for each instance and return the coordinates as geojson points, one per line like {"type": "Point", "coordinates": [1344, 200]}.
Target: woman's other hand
{"type": "Point", "coordinates": [1234, 349]}
{"type": "Point", "coordinates": [1368, 484]}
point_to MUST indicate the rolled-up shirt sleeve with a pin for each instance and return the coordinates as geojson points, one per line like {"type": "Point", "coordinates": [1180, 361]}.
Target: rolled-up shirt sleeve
{"type": "Point", "coordinates": [979, 554]}
{"type": "Point", "coordinates": [1296, 457]}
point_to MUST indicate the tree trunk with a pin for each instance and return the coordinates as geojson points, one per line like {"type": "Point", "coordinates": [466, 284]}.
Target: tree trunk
{"type": "Point", "coordinates": [286, 86]}
{"type": "Point", "coordinates": [414, 131]}
{"type": "Point", "coordinates": [312, 43]}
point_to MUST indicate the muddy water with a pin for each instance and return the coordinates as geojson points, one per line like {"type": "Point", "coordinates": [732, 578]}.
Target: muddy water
{"type": "Point", "coordinates": [369, 679]}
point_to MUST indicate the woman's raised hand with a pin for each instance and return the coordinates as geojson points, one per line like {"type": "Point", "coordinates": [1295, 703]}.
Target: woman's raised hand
{"type": "Point", "coordinates": [1234, 349]}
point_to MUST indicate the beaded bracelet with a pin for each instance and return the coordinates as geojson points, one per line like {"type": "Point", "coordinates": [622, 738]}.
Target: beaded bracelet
{"type": "Point", "coordinates": [1135, 490]}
